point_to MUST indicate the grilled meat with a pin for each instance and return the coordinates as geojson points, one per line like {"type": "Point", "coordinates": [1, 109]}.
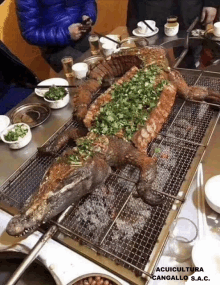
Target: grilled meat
{"type": "Point", "coordinates": [121, 122]}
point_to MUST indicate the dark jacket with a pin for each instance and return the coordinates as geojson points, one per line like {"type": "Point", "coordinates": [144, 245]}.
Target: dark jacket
{"type": "Point", "coordinates": [159, 10]}
{"type": "Point", "coordinates": [15, 80]}
{"type": "Point", "coordinates": [45, 22]}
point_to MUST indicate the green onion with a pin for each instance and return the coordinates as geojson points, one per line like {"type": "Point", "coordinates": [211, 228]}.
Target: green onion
{"type": "Point", "coordinates": [55, 93]}
{"type": "Point", "coordinates": [19, 131]}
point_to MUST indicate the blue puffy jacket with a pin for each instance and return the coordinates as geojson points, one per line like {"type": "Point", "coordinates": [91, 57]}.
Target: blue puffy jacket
{"type": "Point", "coordinates": [46, 22]}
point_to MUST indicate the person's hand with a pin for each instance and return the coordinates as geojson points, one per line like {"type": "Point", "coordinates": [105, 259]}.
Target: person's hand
{"type": "Point", "coordinates": [87, 20]}
{"type": "Point", "coordinates": [76, 31]}
{"type": "Point", "coordinates": [208, 15]}
{"type": "Point", "coordinates": [86, 24]}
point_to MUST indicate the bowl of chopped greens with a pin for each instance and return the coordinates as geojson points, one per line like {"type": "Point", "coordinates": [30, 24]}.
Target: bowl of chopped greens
{"type": "Point", "coordinates": [57, 97]}
{"type": "Point", "coordinates": [49, 82]}
{"type": "Point", "coordinates": [17, 135]}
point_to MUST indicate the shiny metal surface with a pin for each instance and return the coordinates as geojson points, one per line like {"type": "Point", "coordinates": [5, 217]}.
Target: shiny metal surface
{"type": "Point", "coordinates": [93, 60]}
{"type": "Point", "coordinates": [172, 43]}
{"type": "Point", "coordinates": [36, 249]}
{"type": "Point", "coordinates": [36, 274]}
{"type": "Point", "coordinates": [32, 114]}
{"type": "Point", "coordinates": [11, 160]}
{"type": "Point", "coordinates": [85, 278]}
{"type": "Point", "coordinates": [131, 42]}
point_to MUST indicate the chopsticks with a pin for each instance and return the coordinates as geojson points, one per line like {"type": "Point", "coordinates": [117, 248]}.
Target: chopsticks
{"type": "Point", "coordinates": [49, 86]}
{"type": "Point", "coordinates": [100, 35]}
{"type": "Point", "coordinates": [148, 26]}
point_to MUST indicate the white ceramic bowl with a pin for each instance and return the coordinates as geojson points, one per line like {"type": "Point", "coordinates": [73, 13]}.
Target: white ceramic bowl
{"type": "Point", "coordinates": [4, 123]}
{"type": "Point", "coordinates": [216, 31]}
{"type": "Point", "coordinates": [212, 193]}
{"type": "Point", "coordinates": [58, 104]}
{"type": "Point", "coordinates": [108, 49]}
{"type": "Point", "coordinates": [21, 142]}
{"type": "Point", "coordinates": [52, 81]}
{"type": "Point", "coordinates": [106, 41]}
{"type": "Point", "coordinates": [80, 69]}
{"type": "Point", "coordinates": [171, 31]}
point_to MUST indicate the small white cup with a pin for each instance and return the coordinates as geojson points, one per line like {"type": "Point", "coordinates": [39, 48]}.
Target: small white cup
{"type": "Point", "coordinates": [171, 31]}
{"type": "Point", "coordinates": [108, 48]}
{"type": "Point", "coordinates": [80, 69]}
{"type": "Point", "coordinates": [143, 29]}
{"type": "Point", "coordinates": [217, 29]}
{"type": "Point", "coordinates": [106, 41]}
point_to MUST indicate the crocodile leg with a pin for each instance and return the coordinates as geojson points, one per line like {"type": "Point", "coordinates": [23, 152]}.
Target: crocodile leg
{"type": "Point", "coordinates": [121, 153]}
{"type": "Point", "coordinates": [197, 93]}
{"type": "Point", "coordinates": [70, 134]}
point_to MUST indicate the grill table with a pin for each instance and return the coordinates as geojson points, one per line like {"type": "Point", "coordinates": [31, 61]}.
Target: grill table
{"type": "Point", "coordinates": [183, 140]}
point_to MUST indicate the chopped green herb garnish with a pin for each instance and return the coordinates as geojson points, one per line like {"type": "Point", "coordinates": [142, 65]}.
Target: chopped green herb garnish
{"type": "Point", "coordinates": [157, 150]}
{"type": "Point", "coordinates": [55, 93]}
{"type": "Point", "coordinates": [131, 105]}
{"type": "Point", "coordinates": [18, 131]}
{"type": "Point", "coordinates": [87, 147]}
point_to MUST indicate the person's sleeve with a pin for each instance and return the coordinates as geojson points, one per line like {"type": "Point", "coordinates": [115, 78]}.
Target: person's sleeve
{"type": "Point", "coordinates": [90, 9]}
{"type": "Point", "coordinates": [32, 29]}
{"type": "Point", "coordinates": [211, 3]}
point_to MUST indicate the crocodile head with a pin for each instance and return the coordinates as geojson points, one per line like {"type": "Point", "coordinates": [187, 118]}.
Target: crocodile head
{"type": "Point", "coordinates": [38, 212]}
{"type": "Point", "coordinates": [62, 186]}
{"type": "Point", "coordinates": [49, 201]}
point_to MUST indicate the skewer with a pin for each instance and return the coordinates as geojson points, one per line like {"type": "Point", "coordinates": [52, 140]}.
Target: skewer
{"type": "Point", "coordinates": [148, 26]}
{"type": "Point", "coordinates": [100, 35]}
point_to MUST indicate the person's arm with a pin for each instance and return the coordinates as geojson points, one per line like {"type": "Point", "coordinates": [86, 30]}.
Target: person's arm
{"type": "Point", "coordinates": [209, 11]}
{"type": "Point", "coordinates": [90, 10]}
{"type": "Point", "coordinates": [32, 29]}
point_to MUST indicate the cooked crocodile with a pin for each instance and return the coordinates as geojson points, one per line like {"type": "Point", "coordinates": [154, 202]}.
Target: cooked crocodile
{"type": "Point", "coordinates": [109, 144]}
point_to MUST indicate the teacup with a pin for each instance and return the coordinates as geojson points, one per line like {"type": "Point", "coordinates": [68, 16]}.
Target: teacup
{"type": "Point", "coordinates": [106, 41]}
{"type": "Point", "coordinates": [108, 48]}
{"type": "Point", "coordinates": [143, 28]}
{"type": "Point", "coordinates": [216, 31]}
{"type": "Point", "coordinates": [171, 31]}
{"type": "Point", "coordinates": [80, 69]}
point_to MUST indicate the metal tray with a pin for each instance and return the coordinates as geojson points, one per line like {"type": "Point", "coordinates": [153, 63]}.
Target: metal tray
{"type": "Point", "coordinates": [32, 114]}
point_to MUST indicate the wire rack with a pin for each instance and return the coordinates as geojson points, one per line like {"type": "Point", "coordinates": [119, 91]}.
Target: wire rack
{"type": "Point", "coordinates": [111, 220]}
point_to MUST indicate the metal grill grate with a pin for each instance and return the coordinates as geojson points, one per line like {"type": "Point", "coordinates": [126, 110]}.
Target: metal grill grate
{"type": "Point", "coordinates": [190, 123]}
{"type": "Point", "coordinates": [189, 75]}
{"type": "Point", "coordinates": [210, 82]}
{"type": "Point", "coordinates": [111, 220]}
{"type": "Point", "coordinates": [135, 230]}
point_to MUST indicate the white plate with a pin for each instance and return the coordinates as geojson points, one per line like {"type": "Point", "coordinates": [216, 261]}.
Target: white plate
{"type": "Point", "coordinates": [146, 35]}
{"type": "Point", "coordinates": [51, 81]}
{"type": "Point", "coordinates": [212, 193]}
{"type": "Point", "coordinates": [206, 254]}
{"type": "Point", "coordinates": [4, 123]}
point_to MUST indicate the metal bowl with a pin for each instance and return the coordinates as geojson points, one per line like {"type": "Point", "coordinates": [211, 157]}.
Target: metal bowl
{"type": "Point", "coordinates": [92, 61]}
{"type": "Point", "coordinates": [89, 277]}
{"type": "Point", "coordinates": [32, 114]}
{"type": "Point", "coordinates": [35, 274]}
{"type": "Point", "coordinates": [132, 42]}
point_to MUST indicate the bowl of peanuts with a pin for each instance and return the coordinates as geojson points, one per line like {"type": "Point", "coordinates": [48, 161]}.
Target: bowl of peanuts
{"type": "Point", "coordinates": [94, 279]}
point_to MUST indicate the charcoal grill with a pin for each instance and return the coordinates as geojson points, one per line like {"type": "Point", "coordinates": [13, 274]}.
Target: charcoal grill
{"type": "Point", "coordinates": [113, 228]}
